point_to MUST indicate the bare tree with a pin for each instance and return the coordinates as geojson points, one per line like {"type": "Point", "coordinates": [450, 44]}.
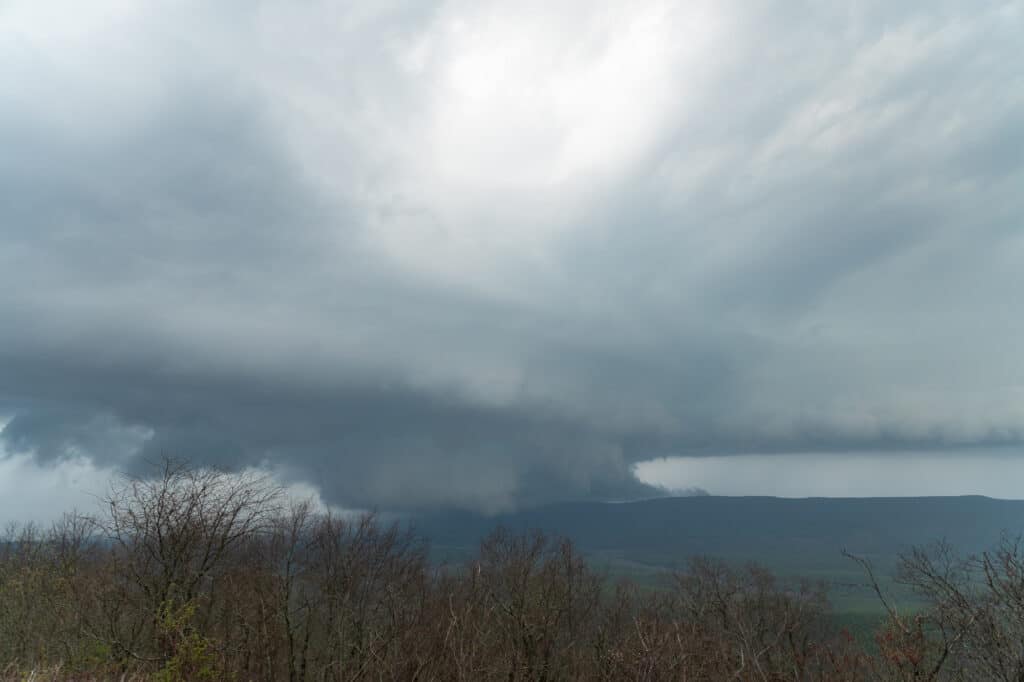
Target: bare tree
{"type": "Point", "coordinates": [170, 536]}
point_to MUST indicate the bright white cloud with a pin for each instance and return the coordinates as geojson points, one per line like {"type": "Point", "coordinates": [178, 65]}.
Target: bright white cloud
{"type": "Point", "coordinates": [30, 491]}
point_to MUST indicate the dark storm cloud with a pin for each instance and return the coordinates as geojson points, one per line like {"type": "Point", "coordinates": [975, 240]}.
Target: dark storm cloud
{"type": "Point", "coordinates": [397, 254]}
{"type": "Point", "coordinates": [365, 443]}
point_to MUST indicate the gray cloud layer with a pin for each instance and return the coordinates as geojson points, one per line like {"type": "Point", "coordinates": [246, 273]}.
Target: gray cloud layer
{"type": "Point", "coordinates": [464, 253]}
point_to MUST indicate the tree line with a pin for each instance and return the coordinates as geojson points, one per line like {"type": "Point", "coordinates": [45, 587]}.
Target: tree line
{"type": "Point", "coordinates": [196, 574]}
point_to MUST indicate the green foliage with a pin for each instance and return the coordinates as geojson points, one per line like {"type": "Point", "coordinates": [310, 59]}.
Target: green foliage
{"type": "Point", "coordinates": [190, 656]}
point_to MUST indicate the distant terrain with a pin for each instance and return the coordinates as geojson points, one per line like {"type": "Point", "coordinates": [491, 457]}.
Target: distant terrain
{"type": "Point", "coordinates": [644, 540]}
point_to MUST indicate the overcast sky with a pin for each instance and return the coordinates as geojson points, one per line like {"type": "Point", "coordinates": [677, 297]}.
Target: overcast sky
{"type": "Point", "coordinates": [490, 254]}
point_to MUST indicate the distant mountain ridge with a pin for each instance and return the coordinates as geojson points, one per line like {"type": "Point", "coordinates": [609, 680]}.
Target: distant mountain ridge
{"type": "Point", "coordinates": [805, 533]}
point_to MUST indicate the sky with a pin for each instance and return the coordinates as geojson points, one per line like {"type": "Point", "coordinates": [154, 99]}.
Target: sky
{"type": "Point", "coordinates": [490, 255]}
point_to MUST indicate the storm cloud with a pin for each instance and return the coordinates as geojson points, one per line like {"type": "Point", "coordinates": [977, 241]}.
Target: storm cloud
{"type": "Point", "coordinates": [488, 254]}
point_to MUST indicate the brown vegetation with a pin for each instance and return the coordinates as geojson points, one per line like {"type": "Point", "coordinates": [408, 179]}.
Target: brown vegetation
{"type": "Point", "coordinates": [194, 574]}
